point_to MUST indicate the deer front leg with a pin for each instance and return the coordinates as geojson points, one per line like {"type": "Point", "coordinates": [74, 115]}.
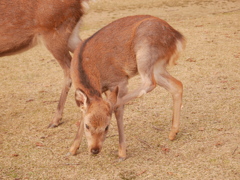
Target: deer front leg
{"type": "Point", "coordinates": [77, 141]}
{"type": "Point", "coordinates": [122, 144]}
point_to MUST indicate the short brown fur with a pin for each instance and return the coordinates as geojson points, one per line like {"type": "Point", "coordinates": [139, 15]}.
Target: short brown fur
{"type": "Point", "coordinates": [142, 45]}
{"type": "Point", "coordinates": [56, 22]}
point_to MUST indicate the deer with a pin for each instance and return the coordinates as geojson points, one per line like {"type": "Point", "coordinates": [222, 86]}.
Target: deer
{"type": "Point", "coordinates": [56, 23]}
{"type": "Point", "coordinates": [103, 63]}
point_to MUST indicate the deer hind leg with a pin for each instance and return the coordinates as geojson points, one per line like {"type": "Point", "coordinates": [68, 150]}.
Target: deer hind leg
{"type": "Point", "coordinates": [57, 44]}
{"type": "Point", "coordinates": [66, 87]}
{"type": "Point", "coordinates": [175, 87]}
{"type": "Point", "coordinates": [145, 66]}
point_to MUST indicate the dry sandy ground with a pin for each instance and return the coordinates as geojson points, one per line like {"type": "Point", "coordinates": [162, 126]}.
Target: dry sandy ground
{"type": "Point", "coordinates": [208, 146]}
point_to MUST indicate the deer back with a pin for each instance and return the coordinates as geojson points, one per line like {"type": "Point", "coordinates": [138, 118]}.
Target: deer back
{"type": "Point", "coordinates": [22, 21]}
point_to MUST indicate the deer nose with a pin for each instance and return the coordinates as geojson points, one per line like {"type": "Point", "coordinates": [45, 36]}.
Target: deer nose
{"type": "Point", "coordinates": [95, 150]}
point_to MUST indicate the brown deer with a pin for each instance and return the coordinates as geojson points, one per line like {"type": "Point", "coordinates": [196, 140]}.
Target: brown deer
{"type": "Point", "coordinates": [56, 22]}
{"type": "Point", "coordinates": [142, 45]}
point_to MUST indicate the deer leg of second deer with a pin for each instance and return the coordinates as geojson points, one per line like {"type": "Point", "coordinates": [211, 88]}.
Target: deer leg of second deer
{"type": "Point", "coordinates": [66, 87]}
{"type": "Point", "coordinates": [57, 44]}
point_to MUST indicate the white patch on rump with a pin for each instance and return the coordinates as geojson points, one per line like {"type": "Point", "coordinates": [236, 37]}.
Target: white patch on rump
{"type": "Point", "coordinates": [74, 39]}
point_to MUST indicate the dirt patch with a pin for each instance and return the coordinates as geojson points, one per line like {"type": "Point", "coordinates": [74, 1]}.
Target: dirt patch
{"type": "Point", "coordinates": [208, 146]}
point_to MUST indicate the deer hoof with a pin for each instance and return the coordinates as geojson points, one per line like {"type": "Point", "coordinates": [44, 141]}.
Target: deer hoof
{"type": "Point", "coordinates": [121, 159]}
{"type": "Point", "coordinates": [68, 154]}
{"type": "Point", "coordinates": [172, 135]}
{"type": "Point", "coordinates": [52, 125]}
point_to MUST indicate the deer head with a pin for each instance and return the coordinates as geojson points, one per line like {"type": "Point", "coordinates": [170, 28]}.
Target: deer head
{"type": "Point", "coordinates": [97, 113]}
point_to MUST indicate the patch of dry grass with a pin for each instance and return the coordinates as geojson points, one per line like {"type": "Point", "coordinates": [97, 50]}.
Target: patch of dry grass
{"type": "Point", "coordinates": [208, 146]}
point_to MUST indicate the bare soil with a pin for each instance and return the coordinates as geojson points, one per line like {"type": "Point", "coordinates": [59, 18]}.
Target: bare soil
{"type": "Point", "coordinates": [208, 146]}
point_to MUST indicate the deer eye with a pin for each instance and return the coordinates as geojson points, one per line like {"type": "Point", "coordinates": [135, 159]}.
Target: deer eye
{"type": "Point", "coordinates": [106, 128]}
{"type": "Point", "coordinates": [86, 126]}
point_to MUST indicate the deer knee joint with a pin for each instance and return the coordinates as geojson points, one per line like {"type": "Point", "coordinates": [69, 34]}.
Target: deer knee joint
{"type": "Point", "coordinates": [142, 92]}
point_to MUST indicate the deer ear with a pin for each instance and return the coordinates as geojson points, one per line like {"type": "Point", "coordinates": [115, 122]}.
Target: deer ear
{"type": "Point", "coordinates": [81, 98]}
